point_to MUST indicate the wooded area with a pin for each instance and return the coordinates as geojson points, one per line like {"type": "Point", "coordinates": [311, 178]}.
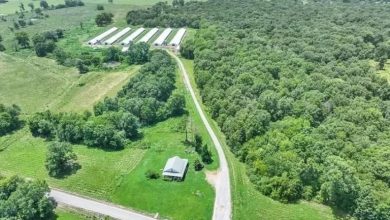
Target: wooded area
{"type": "Point", "coordinates": [292, 88]}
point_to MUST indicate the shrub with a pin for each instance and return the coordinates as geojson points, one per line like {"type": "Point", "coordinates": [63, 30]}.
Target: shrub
{"type": "Point", "coordinates": [150, 174]}
{"type": "Point", "coordinates": [198, 166]}
{"type": "Point", "coordinates": [100, 7]}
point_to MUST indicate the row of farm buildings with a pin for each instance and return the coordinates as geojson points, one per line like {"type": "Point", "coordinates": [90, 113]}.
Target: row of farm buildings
{"type": "Point", "coordinates": [126, 36]}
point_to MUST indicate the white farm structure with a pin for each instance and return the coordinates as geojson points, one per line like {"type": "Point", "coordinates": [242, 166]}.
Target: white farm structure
{"type": "Point", "coordinates": [149, 35]}
{"type": "Point", "coordinates": [132, 36]}
{"type": "Point", "coordinates": [161, 39]}
{"type": "Point", "coordinates": [118, 35]}
{"type": "Point", "coordinates": [98, 39]}
{"type": "Point", "coordinates": [178, 37]}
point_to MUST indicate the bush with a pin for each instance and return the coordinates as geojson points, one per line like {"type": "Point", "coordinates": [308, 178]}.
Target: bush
{"type": "Point", "coordinates": [198, 166]}
{"type": "Point", "coordinates": [9, 119]}
{"type": "Point", "coordinates": [100, 7]}
{"type": "Point", "coordinates": [152, 175]}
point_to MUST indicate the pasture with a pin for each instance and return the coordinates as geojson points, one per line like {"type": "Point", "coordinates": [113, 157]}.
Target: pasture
{"type": "Point", "coordinates": [13, 5]}
{"type": "Point", "coordinates": [38, 84]}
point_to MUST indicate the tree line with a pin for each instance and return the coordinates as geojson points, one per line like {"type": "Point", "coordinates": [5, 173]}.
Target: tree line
{"type": "Point", "coordinates": [294, 88]}
{"type": "Point", "coordinates": [145, 100]}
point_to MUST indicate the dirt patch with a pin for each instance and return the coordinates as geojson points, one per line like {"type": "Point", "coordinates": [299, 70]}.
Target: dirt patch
{"type": "Point", "coordinates": [212, 177]}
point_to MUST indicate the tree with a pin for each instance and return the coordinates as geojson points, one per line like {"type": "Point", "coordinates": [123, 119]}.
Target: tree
{"type": "Point", "coordinates": [22, 39]}
{"type": "Point", "coordinates": [22, 199]}
{"type": "Point", "coordinates": [103, 19]}
{"type": "Point", "coordinates": [138, 53]}
{"type": "Point", "coordinates": [175, 104]}
{"type": "Point", "coordinates": [44, 4]}
{"type": "Point", "coordinates": [206, 155]}
{"type": "Point", "coordinates": [198, 166]}
{"type": "Point", "coordinates": [60, 159]}
{"type": "Point", "coordinates": [40, 49]}
{"type": "Point", "coordinates": [81, 66]}
{"type": "Point", "coordinates": [9, 119]}
{"type": "Point", "coordinates": [31, 5]}
{"type": "Point", "coordinates": [2, 48]}
{"type": "Point", "coordinates": [112, 54]}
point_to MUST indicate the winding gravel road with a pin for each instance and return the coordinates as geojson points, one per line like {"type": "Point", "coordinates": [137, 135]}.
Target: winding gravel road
{"type": "Point", "coordinates": [96, 206]}
{"type": "Point", "coordinates": [223, 202]}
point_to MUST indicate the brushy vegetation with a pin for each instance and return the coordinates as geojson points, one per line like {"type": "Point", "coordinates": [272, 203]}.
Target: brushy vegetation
{"type": "Point", "coordinates": [309, 117]}
{"type": "Point", "coordinates": [146, 99]}
{"type": "Point", "coordinates": [9, 119]}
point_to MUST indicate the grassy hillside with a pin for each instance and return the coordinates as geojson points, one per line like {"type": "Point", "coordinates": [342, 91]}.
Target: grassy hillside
{"type": "Point", "coordinates": [13, 5]}
{"type": "Point", "coordinates": [37, 84]}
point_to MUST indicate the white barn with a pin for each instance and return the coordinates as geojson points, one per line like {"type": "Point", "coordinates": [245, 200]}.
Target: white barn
{"type": "Point", "coordinates": [99, 38]}
{"type": "Point", "coordinates": [178, 37]}
{"type": "Point", "coordinates": [149, 35]}
{"type": "Point", "coordinates": [175, 168]}
{"type": "Point", "coordinates": [118, 35]}
{"type": "Point", "coordinates": [132, 36]}
{"type": "Point", "coordinates": [161, 39]}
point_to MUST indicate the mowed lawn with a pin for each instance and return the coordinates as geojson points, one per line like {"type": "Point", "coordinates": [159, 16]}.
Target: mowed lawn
{"type": "Point", "coordinates": [248, 203]}
{"type": "Point", "coordinates": [119, 176]}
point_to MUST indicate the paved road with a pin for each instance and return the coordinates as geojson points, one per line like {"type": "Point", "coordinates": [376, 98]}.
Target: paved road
{"type": "Point", "coordinates": [223, 201]}
{"type": "Point", "coordinates": [96, 206]}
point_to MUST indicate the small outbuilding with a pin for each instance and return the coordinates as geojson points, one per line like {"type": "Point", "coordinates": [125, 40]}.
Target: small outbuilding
{"type": "Point", "coordinates": [175, 168]}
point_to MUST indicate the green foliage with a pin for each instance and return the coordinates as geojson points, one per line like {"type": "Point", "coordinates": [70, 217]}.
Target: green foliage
{"type": "Point", "coordinates": [20, 199]}
{"type": "Point", "coordinates": [9, 119]}
{"type": "Point", "coordinates": [198, 166]}
{"type": "Point", "coordinates": [43, 4]}
{"type": "Point", "coordinates": [100, 7]}
{"type": "Point", "coordinates": [60, 159]}
{"type": "Point", "coordinates": [309, 117]}
{"type": "Point", "coordinates": [138, 53]}
{"type": "Point", "coordinates": [152, 175]}
{"type": "Point", "coordinates": [104, 19]}
{"type": "Point", "coordinates": [112, 54]}
{"type": "Point", "coordinates": [147, 95]}
{"type": "Point", "coordinates": [22, 39]}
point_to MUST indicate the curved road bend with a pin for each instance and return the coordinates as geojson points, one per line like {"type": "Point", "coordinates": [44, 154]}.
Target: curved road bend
{"type": "Point", "coordinates": [96, 206]}
{"type": "Point", "coordinates": [223, 203]}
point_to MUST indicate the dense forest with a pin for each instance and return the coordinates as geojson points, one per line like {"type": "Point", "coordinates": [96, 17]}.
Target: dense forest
{"type": "Point", "coordinates": [147, 98]}
{"type": "Point", "coordinates": [294, 88]}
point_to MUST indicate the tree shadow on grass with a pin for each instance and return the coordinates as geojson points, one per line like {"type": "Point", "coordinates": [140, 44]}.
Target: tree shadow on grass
{"type": "Point", "coordinates": [65, 174]}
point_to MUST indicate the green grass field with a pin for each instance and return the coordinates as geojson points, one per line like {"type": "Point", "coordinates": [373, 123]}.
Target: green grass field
{"type": "Point", "coordinates": [37, 84]}
{"type": "Point", "coordinates": [12, 5]}
{"type": "Point", "coordinates": [63, 214]}
{"type": "Point", "coordinates": [248, 203]}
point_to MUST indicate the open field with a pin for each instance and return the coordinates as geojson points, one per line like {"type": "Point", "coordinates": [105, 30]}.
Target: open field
{"type": "Point", "coordinates": [248, 203]}
{"type": "Point", "coordinates": [12, 5]}
{"type": "Point", "coordinates": [38, 84]}
{"type": "Point", "coordinates": [119, 176]}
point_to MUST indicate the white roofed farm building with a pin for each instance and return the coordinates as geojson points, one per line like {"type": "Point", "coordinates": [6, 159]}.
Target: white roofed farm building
{"type": "Point", "coordinates": [175, 168]}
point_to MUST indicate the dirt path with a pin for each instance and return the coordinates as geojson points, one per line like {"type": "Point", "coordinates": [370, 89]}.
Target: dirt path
{"type": "Point", "coordinates": [223, 202]}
